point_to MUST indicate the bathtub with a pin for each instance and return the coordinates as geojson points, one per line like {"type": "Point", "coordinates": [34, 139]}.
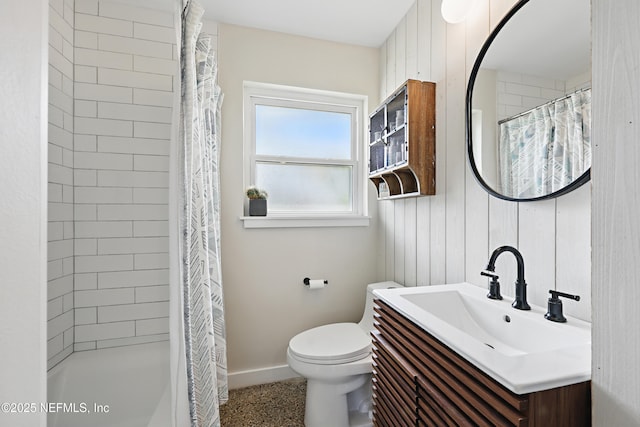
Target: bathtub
{"type": "Point", "coordinates": [114, 387]}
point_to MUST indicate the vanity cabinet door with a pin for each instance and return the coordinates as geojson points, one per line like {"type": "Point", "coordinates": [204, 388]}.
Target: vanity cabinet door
{"type": "Point", "coordinates": [450, 391]}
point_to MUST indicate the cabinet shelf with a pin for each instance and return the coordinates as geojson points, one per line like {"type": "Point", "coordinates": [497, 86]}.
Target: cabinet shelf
{"type": "Point", "coordinates": [402, 142]}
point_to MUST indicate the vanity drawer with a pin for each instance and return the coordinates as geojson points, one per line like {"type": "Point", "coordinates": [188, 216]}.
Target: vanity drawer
{"type": "Point", "coordinates": [394, 383]}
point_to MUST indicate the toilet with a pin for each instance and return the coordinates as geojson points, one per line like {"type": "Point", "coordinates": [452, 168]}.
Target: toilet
{"type": "Point", "coordinates": [336, 361]}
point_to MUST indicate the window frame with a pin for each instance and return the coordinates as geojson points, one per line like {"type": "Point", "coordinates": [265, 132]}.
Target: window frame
{"type": "Point", "coordinates": [255, 93]}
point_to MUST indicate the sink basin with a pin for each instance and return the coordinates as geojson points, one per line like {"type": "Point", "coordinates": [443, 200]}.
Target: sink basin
{"type": "Point", "coordinates": [520, 349]}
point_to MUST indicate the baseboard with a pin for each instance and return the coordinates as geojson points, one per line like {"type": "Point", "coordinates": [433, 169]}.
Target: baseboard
{"type": "Point", "coordinates": [260, 376]}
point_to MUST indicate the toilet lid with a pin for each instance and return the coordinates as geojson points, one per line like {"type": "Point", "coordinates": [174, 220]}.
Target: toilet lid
{"type": "Point", "coordinates": [331, 344]}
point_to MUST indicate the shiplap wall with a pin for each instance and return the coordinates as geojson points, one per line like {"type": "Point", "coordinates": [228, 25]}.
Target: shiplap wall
{"type": "Point", "coordinates": [616, 227]}
{"type": "Point", "coordinates": [448, 237]}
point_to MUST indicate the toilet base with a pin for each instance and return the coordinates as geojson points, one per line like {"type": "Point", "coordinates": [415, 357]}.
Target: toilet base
{"type": "Point", "coordinates": [343, 404]}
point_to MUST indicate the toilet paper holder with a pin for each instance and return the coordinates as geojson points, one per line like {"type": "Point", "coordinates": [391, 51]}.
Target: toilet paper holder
{"type": "Point", "coordinates": [307, 281]}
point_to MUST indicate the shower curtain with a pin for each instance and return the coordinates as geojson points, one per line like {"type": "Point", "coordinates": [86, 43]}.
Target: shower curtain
{"type": "Point", "coordinates": [198, 343]}
{"type": "Point", "coordinates": [547, 148]}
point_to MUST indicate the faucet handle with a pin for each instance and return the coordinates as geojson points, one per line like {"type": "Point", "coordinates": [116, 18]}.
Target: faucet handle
{"type": "Point", "coordinates": [554, 306]}
{"type": "Point", "coordinates": [494, 285]}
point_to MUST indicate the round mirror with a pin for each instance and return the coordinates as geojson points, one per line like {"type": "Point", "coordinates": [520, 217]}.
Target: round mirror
{"type": "Point", "coordinates": [528, 102]}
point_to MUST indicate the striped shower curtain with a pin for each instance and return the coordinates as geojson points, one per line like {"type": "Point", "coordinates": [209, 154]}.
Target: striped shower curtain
{"type": "Point", "coordinates": [547, 148]}
{"type": "Point", "coordinates": [199, 365]}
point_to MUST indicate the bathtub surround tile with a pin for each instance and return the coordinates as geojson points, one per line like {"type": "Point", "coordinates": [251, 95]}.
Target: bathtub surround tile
{"type": "Point", "coordinates": [85, 281]}
{"type": "Point", "coordinates": [152, 294]}
{"type": "Point", "coordinates": [137, 278]}
{"type": "Point", "coordinates": [100, 24]}
{"type": "Point", "coordinates": [150, 228]}
{"type": "Point", "coordinates": [85, 247]}
{"type": "Point", "coordinates": [58, 357]}
{"type": "Point", "coordinates": [84, 346]}
{"type": "Point", "coordinates": [152, 97]}
{"type": "Point", "coordinates": [96, 161]}
{"type": "Point", "coordinates": [151, 130]}
{"type": "Point", "coordinates": [111, 75]}
{"type": "Point", "coordinates": [100, 263]}
{"type": "Point", "coordinates": [152, 326]}
{"type": "Point", "coordinates": [59, 287]}
{"type": "Point", "coordinates": [119, 342]}
{"type": "Point", "coordinates": [136, 245]}
{"type": "Point", "coordinates": [117, 313]}
{"type": "Point", "coordinates": [101, 92]}
{"type": "Point", "coordinates": [134, 79]}
{"type": "Point", "coordinates": [85, 212]}
{"type": "Point", "coordinates": [157, 196]}
{"type": "Point", "coordinates": [136, 14]}
{"type": "Point", "coordinates": [86, 316]}
{"type": "Point", "coordinates": [85, 39]}
{"type": "Point", "coordinates": [85, 142]}
{"type": "Point", "coordinates": [104, 297]}
{"type": "Point", "coordinates": [98, 58]}
{"type": "Point", "coordinates": [151, 163]}
{"type": "Point", "coordinates": [54, 308]}
{"type": "Point", "coordinates": [90, 126]}
{"type": "Point", "coordinates": [86, 6]}
{"type": "Point", "coordinates": [109, 144]}
{"type": "Point", "coordinates": [59, 324]}
{"type": "Point", "coordinates": [147, 64]}
{"type": "Point", "coordinates": [103, 331]}
{"type": "Point", "coordinates": [139, 179]}
{"type": "Point", "coordinates": [132, 212]}
{"type": "Point", "coordinates": [154, 32]}
{"type": "Point", "coordinates": [143, 113]}
{"type": "Point", "coordinates": [103, 229]}
{"type": "Point", "coordinates": [86, 74]}
{"type": "Point", "coordinates": [95, 195]}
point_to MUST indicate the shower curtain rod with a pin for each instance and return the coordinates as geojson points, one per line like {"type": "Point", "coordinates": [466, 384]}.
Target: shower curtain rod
{"type": "Point", "coordinates": [542, 105]}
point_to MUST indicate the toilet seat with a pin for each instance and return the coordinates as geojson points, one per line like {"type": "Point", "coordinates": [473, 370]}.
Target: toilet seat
{"type": "Point", "coordinates": [331, 344]}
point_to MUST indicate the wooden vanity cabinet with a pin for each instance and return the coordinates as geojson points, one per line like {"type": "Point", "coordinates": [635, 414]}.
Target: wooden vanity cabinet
{"type": "Point", "coordinates": [418, 381]}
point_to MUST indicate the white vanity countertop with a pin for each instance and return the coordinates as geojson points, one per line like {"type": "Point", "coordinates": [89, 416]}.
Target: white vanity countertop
{"type": "Point", "coordinates": [527, 353]}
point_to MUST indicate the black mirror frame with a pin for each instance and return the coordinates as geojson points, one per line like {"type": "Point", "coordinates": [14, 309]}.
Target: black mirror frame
{"type": "Point", "coordinates": [582, 179]}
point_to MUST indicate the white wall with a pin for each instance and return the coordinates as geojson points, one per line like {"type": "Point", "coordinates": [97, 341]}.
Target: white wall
{"type": "Point", "coordinates": [616, 228]}
{"type": "Point", "coordinates": [449, 237]}
{"type": "Point", "coordinates": [23, 195]}
{"type": "Point", "coordinates": [262, 269]}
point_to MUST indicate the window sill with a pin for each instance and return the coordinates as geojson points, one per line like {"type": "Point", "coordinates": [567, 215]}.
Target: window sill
{"type": "Point", "coordinates": [304, 222]}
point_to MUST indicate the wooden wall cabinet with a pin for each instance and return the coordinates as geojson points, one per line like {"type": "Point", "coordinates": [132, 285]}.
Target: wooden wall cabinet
{"type": "Point", "coordinates": [418, 381]}
{"type": "Point", "coordinates": [402, 141]}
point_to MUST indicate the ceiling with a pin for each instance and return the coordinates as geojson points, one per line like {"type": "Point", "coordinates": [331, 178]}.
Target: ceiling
{"type": "Point", "coordinates": [360, 22]}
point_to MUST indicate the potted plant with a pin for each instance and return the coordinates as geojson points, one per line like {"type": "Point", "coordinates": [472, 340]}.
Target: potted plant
{"type": "Point", "coordinates": [257, 201]}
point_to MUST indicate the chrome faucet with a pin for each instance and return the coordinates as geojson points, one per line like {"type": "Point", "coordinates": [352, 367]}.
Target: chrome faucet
{"type": "Point", "coordinates": [520, 301]}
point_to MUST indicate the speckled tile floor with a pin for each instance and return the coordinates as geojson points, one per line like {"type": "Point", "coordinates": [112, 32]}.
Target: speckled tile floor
{"type": "Point", "coordinates": [279, 404]}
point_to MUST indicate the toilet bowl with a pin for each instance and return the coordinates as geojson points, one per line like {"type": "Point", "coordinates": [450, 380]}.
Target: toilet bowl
{"type": "Point", "coordinates": [336, 361]}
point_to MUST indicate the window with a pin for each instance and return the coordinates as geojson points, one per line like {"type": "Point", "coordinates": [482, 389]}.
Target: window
{"type": "Point", "coordinates": [304, 147]}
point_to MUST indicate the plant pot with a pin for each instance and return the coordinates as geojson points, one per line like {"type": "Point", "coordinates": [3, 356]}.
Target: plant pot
{"type": "Point", "coordinates": [257, 207]}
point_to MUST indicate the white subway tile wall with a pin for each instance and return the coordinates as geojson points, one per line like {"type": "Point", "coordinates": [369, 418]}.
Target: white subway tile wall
{"type": "Point", "coordinates": [60, 308]}
{"type": "Point", "coordinates": [124, 74]}
{"type": "Point", "coordinates": [520, 92]}
{"type": "Point", "coordinates": [112, 73]}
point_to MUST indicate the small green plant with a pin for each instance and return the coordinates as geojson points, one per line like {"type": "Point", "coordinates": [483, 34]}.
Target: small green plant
{"type": "Point", "coordinates": [256, 193]}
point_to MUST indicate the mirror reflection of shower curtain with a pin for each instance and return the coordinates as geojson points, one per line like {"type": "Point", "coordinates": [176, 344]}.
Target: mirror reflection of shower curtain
{"type": "Point", "coordinates": [547, 148]}
{"type": "Point", "coordinates": [198, 341]}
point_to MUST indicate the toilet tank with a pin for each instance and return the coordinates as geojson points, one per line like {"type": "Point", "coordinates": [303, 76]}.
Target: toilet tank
{"type": "Point", "coordinates": [367, 318]}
